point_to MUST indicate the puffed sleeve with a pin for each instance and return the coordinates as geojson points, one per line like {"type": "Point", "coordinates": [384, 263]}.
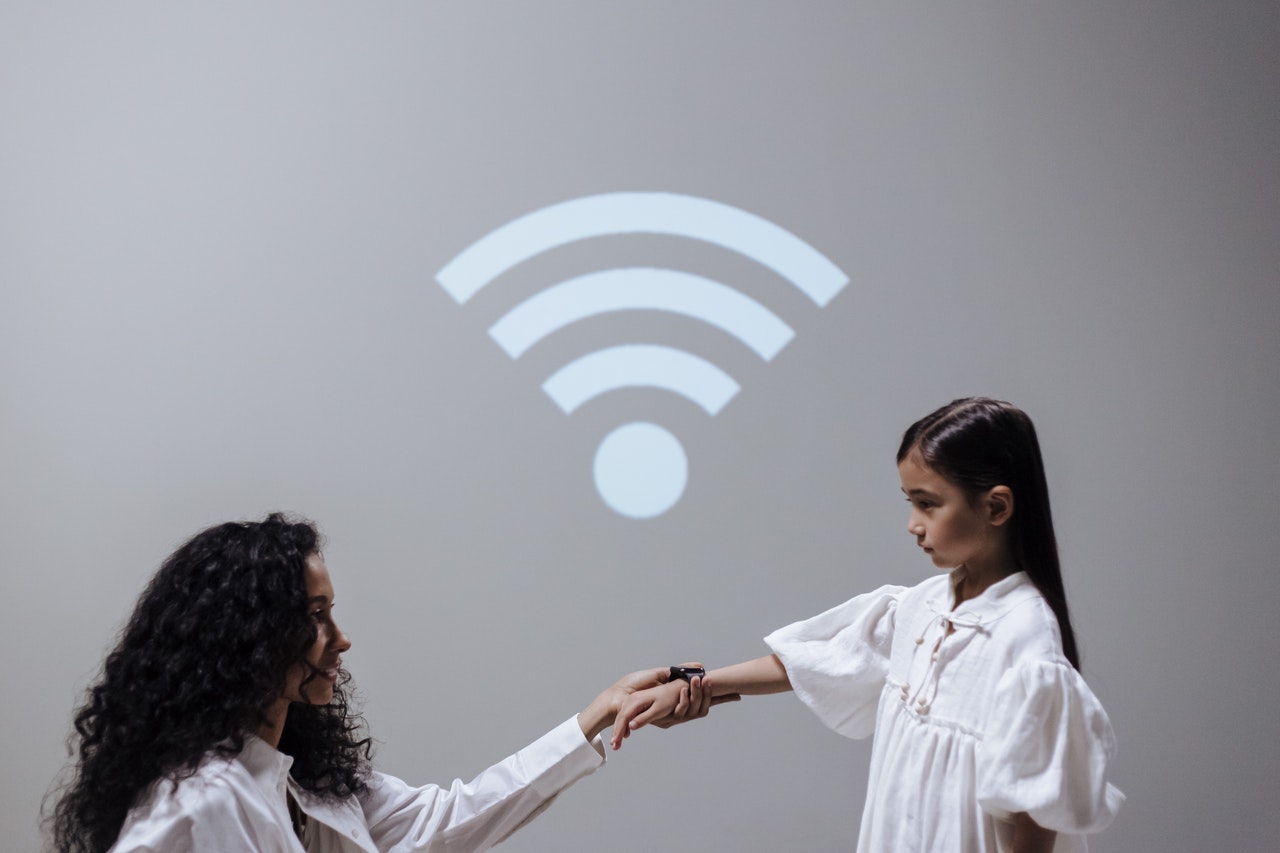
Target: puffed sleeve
{"type": "Point", "coordinates": [837, 661]}
{"type": "Point", "coordinates": [478, 814]}
{"type": "Point", "coordinates": [1046, 751]}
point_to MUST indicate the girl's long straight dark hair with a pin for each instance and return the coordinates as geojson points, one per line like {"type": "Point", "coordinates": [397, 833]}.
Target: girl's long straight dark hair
{"type": "Point", "coordinates": [979, 443]}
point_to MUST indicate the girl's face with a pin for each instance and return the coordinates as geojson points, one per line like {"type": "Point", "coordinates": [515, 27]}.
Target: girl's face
{"type": "Point", "coordinates": [320, 662]}
{"type": "Point", "coordinates": [952, 529]}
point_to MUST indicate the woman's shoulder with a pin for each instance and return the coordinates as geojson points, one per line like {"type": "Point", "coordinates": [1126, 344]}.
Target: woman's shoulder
{"type": "Point", "coordinates": [219, 782]}
{"type": "Point", "coordinates": [174, 805]}
{"type": "Point", "coordinates": [216, 779]}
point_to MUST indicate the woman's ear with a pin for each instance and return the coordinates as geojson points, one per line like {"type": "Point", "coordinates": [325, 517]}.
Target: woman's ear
{"type": "Point", "coordinates": [999, 505]}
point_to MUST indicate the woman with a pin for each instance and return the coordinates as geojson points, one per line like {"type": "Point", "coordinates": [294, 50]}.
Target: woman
{"type": "Point", "coordinates": [221, 722]}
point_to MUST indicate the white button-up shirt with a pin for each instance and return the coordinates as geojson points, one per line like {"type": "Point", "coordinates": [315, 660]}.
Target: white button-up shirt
{"type": "Point", "coordinates": [240, 804]}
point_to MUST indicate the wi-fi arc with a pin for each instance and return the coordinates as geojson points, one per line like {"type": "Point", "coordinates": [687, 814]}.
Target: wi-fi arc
{"type": "Point", "coordinates": [642, 288]}
{"type": "Point", "coordinates": [642, 213]}
{"type": "Point", "coordinates": [640, 468]}
{"type": "Point", "coordinates": [641, 366]}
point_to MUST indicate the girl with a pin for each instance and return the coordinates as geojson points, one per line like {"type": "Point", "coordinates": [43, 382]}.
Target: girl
{"type": "Point", "coordinates": [986, 737]}
{"type": "Point", "coordinates": [221, 723]}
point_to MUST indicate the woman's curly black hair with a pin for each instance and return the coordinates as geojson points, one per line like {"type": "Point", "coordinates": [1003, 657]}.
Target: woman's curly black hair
{"type": "Point", "coordinates": [200, 662]}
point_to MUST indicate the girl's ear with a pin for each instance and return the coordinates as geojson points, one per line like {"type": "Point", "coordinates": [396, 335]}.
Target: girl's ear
{"type": "Point", "coordinates": [999, 505]}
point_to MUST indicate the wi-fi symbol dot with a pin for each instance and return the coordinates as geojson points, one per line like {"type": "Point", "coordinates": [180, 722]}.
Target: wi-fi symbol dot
{"type": "Point", "coordinates": [641, 468]}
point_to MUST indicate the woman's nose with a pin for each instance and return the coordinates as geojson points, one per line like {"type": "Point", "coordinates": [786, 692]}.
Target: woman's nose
{"type": "Point", "coordinates": [341, 642]}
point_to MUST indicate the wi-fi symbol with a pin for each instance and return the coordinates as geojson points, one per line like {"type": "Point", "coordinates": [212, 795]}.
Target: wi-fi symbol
{"type": "Point", "coordinates": [641, 468]}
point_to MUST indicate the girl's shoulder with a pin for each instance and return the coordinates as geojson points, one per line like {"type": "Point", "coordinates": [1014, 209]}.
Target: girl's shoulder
{"type": "Point", "coordinates": [1011, 613]}
{"type": "Point", "coordinates": [1029, 627]}
{"type": "Point", "coordinates": [934, 592]}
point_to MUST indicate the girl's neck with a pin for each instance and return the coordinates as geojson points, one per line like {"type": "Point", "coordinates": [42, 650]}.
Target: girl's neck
{"type": "Point", "coordinates": [991, 564]}
{"type": "Point", "coordinates": [970, 581]}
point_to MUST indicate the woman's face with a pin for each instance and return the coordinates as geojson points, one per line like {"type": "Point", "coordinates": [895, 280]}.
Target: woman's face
{"type": "Point", "coordinates": [320, 662]}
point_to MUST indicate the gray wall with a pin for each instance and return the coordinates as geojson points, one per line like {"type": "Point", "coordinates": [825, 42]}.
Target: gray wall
{"type": "Point", "coordinates": [219, 230]}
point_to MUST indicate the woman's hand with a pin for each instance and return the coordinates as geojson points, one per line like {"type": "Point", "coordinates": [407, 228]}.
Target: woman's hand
{"type": "Point", "coordinates": [597, 716]}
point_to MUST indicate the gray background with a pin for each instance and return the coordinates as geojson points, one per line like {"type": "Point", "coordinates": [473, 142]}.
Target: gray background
{"type": "Point", "coordinates": [218, 230]}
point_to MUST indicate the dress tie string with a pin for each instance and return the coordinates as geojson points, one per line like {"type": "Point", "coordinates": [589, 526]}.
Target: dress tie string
{"type": "Point", "coordinates": [948, 621]}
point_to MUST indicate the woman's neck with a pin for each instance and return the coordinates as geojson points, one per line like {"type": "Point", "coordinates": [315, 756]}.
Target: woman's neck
{"type": "Point", "coordinates": [273, 727]}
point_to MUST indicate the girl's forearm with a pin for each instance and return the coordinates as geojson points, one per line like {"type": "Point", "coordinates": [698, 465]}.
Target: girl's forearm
{"type": "Point", "coordinates": [750, 678]}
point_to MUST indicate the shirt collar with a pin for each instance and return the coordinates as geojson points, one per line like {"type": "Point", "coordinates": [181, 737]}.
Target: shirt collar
{"type": "Point", "coordinates": [267, 765]}
{"type": "Point", "coordinates": [994, 601]}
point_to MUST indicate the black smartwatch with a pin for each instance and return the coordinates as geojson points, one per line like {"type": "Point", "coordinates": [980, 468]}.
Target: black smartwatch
{"type": "Point", "coordinates": [684, 673]}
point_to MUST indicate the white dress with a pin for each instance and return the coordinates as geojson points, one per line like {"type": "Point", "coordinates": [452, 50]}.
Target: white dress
{"type": "Point", "coordinates": [977, 715]}
{"type": "Point", "coordinates": [239, 805]}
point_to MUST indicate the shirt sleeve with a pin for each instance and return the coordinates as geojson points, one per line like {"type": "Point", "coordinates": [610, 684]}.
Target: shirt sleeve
{"type": "Point", "coordinates": [837, 661]}
{"type": "Point", "coordinates": [476, 815]}
{"type": "Point", "coordinates": [1046, 751]}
